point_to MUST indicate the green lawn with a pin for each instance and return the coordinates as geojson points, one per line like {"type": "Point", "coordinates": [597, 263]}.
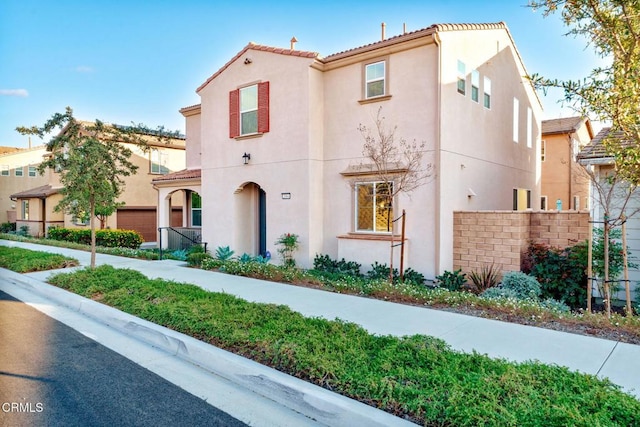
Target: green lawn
{"type": "Point", "coordinates": [26, 261]}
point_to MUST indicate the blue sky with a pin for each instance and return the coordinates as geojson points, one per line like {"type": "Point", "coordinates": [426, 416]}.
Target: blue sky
{"type": "Point", "coordinates": [124, 61]}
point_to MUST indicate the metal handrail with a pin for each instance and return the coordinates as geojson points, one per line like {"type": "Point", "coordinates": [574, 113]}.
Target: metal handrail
{"type": "Point", "coordinates": [194, 242]}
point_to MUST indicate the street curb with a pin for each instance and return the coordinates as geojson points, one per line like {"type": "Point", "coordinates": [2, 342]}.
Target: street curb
{"type": "Point", "coordinates": [308, 399]}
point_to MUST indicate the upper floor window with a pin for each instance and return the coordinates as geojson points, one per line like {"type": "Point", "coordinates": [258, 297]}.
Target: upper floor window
{"type": "Point", "coordinates": [529, 127]}
{"type": "Point", "coordinates": [374, 207]}
{"type": "Point", "coordinates": [516, 118]}
{"type": "Point", "coordinates": [19, 171]}
{"type": "Point", "coordinates": [462, 78]}
{"type": "Point", "coordinates": [375, 79]}
{"type": "Point", "coordinates": [475, 85]}
{"type": "Point", "coordinates": [543, 149]}
{"type": "Point", "coordinates": [249, 110]}
{"type": "Point", "coordinates": [487, 92]}
{"type": "Point", "coordinates": [4, 170]}
{"type": "Point", "coordinates": [158, 162]}
{"type": "Point", "coordinates": [33, 171]}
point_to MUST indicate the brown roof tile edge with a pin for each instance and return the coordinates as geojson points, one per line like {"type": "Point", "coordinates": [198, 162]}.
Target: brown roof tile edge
{"type": "Point", "coordinates": [38, 192]}
{"type": "Point", "coordinates": [179, 175]}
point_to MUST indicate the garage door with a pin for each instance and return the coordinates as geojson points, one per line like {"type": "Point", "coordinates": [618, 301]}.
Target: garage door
{"type": "Point", "coordinates": [144, 221]}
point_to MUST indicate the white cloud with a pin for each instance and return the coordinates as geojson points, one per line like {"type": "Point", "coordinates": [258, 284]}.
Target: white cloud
{"type": "Point", "coordinates": [84, 69]}
{"type": "Point", "coordinates": [14, 92]}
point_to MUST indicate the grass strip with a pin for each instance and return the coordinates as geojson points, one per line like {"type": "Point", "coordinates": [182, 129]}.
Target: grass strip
{"type": "Point", "coordinates": [416, 377]}
{"type": "Point", "coordinates": [26, 261]}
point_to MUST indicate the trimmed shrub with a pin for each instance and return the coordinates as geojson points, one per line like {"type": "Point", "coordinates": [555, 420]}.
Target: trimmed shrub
{"type": "Point", "coordinates": [453, 281]}
{"type": "Point", "coordinates": [524, 286]}
{"type": "Point", "coordinates": [324, 264]}
{"type": "Point", "coordinates": [562, 273]}
{"type": "Point", "coordinates": [7, 227]}
{"type": "Point", "coordinates": [106, 238]}
{"type": "Point", "coordinates": [499, 292]}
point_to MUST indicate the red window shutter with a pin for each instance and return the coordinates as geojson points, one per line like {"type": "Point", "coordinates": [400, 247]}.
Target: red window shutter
{"type": "Point", "coordinates": [234, 113]}
{"type": "Point", "coordinates": [263, 107]}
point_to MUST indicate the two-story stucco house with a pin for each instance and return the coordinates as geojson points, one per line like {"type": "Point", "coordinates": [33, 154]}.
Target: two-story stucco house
{"type": "Point", "coordinates": [274, 145]}
{"type": "Point", "coordinates": [18, 171]}
{"type": "Point", "coordinates": [35, 205]}
{"type": "Point", "coordinates": [565, 185]}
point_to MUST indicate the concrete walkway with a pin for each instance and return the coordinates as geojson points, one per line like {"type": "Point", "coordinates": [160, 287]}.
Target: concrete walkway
{"type": "Point", "coordinates": [604, 358]}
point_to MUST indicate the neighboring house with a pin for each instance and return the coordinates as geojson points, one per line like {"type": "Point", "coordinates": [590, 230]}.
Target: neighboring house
{"type": "Point", "coordinates": [596, 156]}
{"type": "Point", "coordinates": [564, 182]}
{"type": "Point", "coordinates": [274, 145]}
{"type": "Point", "coordinates": [139, 212]}
{"type": "Point", "coordinates": [18, 171]}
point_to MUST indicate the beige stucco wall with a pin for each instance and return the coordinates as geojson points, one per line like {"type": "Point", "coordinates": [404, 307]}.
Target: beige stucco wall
{"type": "Point", "coordinates": [14, 184]}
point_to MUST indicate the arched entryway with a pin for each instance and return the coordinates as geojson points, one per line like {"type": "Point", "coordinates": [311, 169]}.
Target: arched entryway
{"type": "Point", "coordinates": [251, 219]}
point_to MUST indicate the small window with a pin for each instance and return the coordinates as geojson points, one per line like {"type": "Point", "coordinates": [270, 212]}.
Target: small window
{"type": "Point", "coordinates": [475, 85]}
{"type": "Point", "coordinates": [462, 78]}
{"type": "Point", "coordinates": [33, 171]}
{"type": "Point", "coordinates": [487, 93]}
{"type": "Point", "coordinates": [576, 203]}
{"type": "Point", "coordinates": [4, 170]}
{"type": "Point", "coordinates": [543, 149]}
{"type": "Point", "coordinates": [374, 207]}
{"type": "Point", "coordinates": [516, 118]}
{"type": "Point", "coordinates": [529, 127]}
{"type": "Point", "coordinates": [19, 171]}
{"type": "Point", "coordinates": [249, 110]}
{"type": "Point", "coordinates": [375, 79]}
{"type": "Point", "coordinates": [543, 203]}
{"type": "Point", "coordinates": [521, 199]}
{"type": "Point", "coordinates": [196, 210]}
{"type": "Point", "coordinates": [158, 162]}
{"type": "Point", "coordinates": [25, 209]}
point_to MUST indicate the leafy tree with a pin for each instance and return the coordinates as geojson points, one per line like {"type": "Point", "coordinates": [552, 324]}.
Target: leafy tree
{"type": "Point", "coordinates": [91, 161]}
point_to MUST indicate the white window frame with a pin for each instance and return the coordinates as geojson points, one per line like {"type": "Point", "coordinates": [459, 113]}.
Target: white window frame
{"type": "Point", "coordinates": [248, 110]}
{"type": "Point", "coordinates": [19, 171]}
{"type": "Point", "coordinates": [4, 170]}
{"type": "Point", "coordinates": [158, 161]}
{"type": "Point", "coordinates": [475, 86]}
{"type": "Point", "coordinates": [516, 119]}
{"type": "Point", "coordinates": [25, 210]}
{"type": "Point", "coordinates": [192, 210]}
{"type": "Point", "coordinates": [529, 127]}
{"type": "Point", "coordinates": [33, 171]}
{"type": "Point", "coordinates": [368, 81]}
{"type": "Point", "coordinates": [486, 99]}
{"type": "Point", "coordinates": [374, 212]}
{"type": "Point", "coordinates": [461, 81]}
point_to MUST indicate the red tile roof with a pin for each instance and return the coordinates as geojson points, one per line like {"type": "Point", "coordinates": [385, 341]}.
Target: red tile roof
{"type": "Point", "coordinates": [180, 175]}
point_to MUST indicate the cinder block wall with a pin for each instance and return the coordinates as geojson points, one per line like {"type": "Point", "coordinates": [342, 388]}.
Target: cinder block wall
{"type": "Point", "coordinates": [502, 237]}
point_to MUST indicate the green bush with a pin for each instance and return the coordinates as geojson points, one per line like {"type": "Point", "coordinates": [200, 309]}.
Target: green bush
{"type": "Point", "coordinates": [196, 259]}
{"type": "Point", "coordinates": [524, 285]}
{"type": "Point", "coordinates": [324, 264]}
{"type": "Point", "coordinates": [453, 281]}
{"type": "Point", "coordinates": [7, 227]}
{"type": "Point", "coordinates": [105, 238]}
{"type": "Point", "coordinates": [562, 273]}
{"type": "Point", "coordinates": [410, 276]}
{"type": "Point", "coordinates": [381, 271]}
{"type": "Point", "coordinates": [499, 292]}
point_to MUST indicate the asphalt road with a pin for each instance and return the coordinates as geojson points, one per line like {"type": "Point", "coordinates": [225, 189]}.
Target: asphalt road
{"type": "Point", "coordinates": [52, 375]}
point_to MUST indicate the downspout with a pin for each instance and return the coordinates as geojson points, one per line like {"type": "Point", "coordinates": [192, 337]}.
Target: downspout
{"type": "Point", "coordinates": [570, 203]}
{"type": "Point", "coordinates": [438, 155]}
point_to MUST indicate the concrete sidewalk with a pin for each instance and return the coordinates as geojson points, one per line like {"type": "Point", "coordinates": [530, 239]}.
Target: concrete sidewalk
{"type": "Point", "coordinates": [604, 358]}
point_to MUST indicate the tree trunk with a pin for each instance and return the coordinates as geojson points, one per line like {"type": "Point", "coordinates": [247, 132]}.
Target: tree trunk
{"type": "Point", "coordinates": [590, 266]}
{"type": "Point", "coordinates": [92, 222]}
{"type": "Point", "coordinates": [607, 288]}
{"type": "Point", "coordinates": [627, 285]}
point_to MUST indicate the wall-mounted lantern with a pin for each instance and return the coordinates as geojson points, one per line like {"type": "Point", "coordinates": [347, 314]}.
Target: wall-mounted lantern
{"type": "Point", "coordinates": [245, 158]}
